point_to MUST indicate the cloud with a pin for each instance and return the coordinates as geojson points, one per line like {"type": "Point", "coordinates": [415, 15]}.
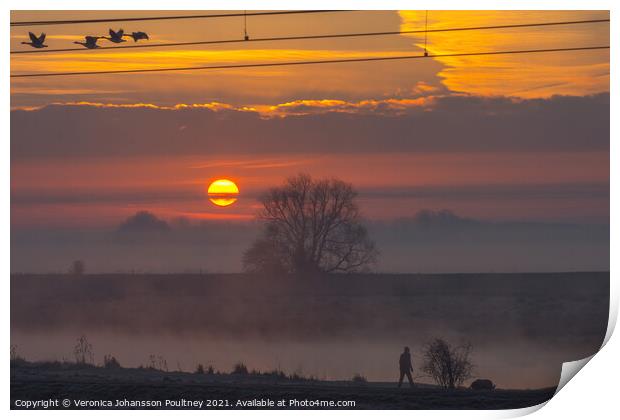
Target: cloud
{"type": "Point", "coordinates": [441, 124]}
{"type": "Point", "coordinates": [213, 106]}
{"type": "Point", "coordinates": [519, 75]}
{"type": "Point", "coordinates": [176, 193]}
{"type": "Point", "coordinates": [396, 106]}
{"type": "Point", "coordinates": [443, 218]}
{"type": "Point", "coordinates": [567, 190]}
{"type": "Point", "coordinates": [143, 222]}
{"type": "Point", "coordinates": [294, 108]}
{"type": "Point", "coordinates": [152, 59]}
{"type": "Point", "coordinates": [78, 196]}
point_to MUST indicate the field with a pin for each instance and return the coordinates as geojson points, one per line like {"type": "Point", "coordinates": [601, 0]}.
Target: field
{"type": "Point", "coordinates": [40, 382]}
{"type": "Point", "coordinates": [522, 327]}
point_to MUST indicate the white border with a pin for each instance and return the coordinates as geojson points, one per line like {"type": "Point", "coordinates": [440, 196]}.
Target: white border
{"type": "Point", "coordinates": [593, 394]}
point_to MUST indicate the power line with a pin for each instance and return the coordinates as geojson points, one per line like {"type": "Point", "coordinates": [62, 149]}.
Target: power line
{"type": "Point", "coordinates": [139, 19]}
{"type": "Point", "coordinates": [299, 63]}
{"type": "Point", "coordinates": [326, 36]}
{"type": "Point", "coordinates": [425, 32]}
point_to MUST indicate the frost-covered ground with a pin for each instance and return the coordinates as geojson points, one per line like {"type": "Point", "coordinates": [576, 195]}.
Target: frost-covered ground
{"type": "Point", "coordinates": [103, 387]}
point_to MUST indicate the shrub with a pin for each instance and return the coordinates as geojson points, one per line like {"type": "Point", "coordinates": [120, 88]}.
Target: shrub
{"type": "Point", "coordinates": [448, 365]}
{"type": "Point", "coordinates": [200, 369]}
{"type": "Point", "coordinates": [83, 352]}
{"type": "Point", "coordinates": [77, 268]}
{"type": "Point", "coordinates": [359, 378]}
{"type": "Point", "coordinates": [240, 369]}
{"type": "Point", "coordinates": [276, 373]}
{"type": "Point", "coordinates": [16, 359]}
{"type": "Point", "coordinates": [157, 363]}
{"type": "Point", "coordinates": [110, 362]}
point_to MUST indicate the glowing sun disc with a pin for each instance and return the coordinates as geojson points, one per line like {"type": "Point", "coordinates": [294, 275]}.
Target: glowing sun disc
{"type": "Point", "coordinates": [222, 202]}
{"type": "Point", "coordinates": [223, 192]}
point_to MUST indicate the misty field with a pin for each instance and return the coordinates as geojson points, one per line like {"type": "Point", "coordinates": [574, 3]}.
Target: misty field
{"type": "Point", "coordinates": [522, 327]}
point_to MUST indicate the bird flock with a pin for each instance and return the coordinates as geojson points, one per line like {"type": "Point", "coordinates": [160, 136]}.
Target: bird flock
{"type": "Point", "coordinates": [90, 41]}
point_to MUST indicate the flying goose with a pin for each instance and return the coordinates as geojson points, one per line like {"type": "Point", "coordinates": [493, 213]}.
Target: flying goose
{"type": "Point", "coordinates": [116, 37]}
{"type": "Point", "coordinates": [90, 43]}
{"type": "Point", "coordinates": [36, 42]}
{"type": "Point", "coordinates": [138, 35]}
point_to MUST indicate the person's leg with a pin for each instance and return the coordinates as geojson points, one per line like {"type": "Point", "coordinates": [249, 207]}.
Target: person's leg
{"type": "Point", "coordinates": [410, 379]}
{"type": "Point", "coordinates": [400, 380]}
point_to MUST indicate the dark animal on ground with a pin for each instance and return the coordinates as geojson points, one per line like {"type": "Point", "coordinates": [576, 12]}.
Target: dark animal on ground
{"type": "Point", "coordinates": [482, 384]}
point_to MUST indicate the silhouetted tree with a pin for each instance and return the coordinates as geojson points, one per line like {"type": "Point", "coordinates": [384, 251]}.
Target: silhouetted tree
{"type": "Point", "coordinates": [157, 363]}
{"type": "Point", "coordinates": [240, 369]}
{"type": "Point", "coordinates": [83, 351]}
{"type": "Point", "coordinates": [77, 268]}
{"type": "Point", "coordinates": [448, 365]}
{"type": "Point", "coordinates": [16, 359]}
{"type": "Point", "coordinates": [110, 362]}
{"type": "Point", "coordinates": [310, 226]}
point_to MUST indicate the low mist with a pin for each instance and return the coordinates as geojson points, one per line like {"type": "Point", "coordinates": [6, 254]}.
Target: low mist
{"type": "Point", "coordinates": [429, 242]}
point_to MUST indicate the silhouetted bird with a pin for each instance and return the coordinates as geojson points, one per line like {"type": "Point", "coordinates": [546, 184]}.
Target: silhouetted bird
{"type": "Point", "coordinates": [116, 37]}
{"type": "Point", "coordinates": [90, 43]}
{"type": "Point", "coordinates": [138, 35]}
{"type": "Point", "coordinates": [36, 42]}
{"type": "Point", "coordinates": [404, 363]}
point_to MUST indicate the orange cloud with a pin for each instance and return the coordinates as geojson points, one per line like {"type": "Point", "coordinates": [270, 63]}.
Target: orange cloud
{"type": "Point", "coordinates": [216, 216]}
{"type": "Point", "coordinates": [304, 106]}
{"type": "Point", "coordinates": [156, 59]}
{"type": "Point", "coordinates": [214, 106]}
{"type": "Point", "coordinates": [525, 76]}
{"type": "Point", "coordinates": [389, 106]}
{"type": "Point", "coordinates": [423, 87]}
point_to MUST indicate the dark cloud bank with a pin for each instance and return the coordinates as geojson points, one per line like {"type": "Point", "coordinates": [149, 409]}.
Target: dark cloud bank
{"type": "Point", "coordinates": [456, 123]}
{"type": "Point", "coordinates": [429, 242]}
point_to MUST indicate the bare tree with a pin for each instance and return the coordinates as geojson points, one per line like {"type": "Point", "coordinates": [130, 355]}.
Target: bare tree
{"type": "Point", "coordinates": [448, 365]}
{"type": "Point", "coordinates": [83, 351]}
{"type": "Point", "coordinates": [110, 362]}
{"type": "Point", "coordinates": [158, 363]}
{"type": "Point", "coordinates": [311, 226]}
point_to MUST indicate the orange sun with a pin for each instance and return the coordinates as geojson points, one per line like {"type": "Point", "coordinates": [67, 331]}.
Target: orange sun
{"type": "Point", "coordinates": [223, 192]}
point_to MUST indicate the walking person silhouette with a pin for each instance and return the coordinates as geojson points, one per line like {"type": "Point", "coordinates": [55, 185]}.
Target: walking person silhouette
{"type": "Point", "coordinates": [405, 367]}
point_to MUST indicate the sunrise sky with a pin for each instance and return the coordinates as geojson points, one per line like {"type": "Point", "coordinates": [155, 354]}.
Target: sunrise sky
{"type": "Point", "coordinates": [505, 138]}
